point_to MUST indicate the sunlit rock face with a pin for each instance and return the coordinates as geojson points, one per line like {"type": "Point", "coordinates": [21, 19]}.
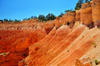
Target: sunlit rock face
{"type": "Point", "coordinates": [65, 41]}
{"type": "Point", "coordinates": [77, 17]}
{"type": "Point", "coordinates": [86, 14]}
{"type": "Point", "coordinates": [49, 26]}
{"type": "Point", "coordinates": [14, 44]}
{"type": "Point", "coordinates": [66, 19]}
{"type": "Point", "coordinates": [78, 46]}
{"type": "Point", "coordinates": [96, 12]}
{"type": "Point", "coordinates": [57, 22]}
{"type": "Point", "coordinates": [71, 19]}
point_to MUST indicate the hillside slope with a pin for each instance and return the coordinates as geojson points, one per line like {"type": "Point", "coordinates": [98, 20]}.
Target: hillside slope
{"type": "Point", "coordinates": [64, 46]}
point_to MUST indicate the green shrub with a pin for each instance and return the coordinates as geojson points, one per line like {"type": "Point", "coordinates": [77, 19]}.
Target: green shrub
{"type": "Point", "coordinates": [96, 62]}
{"type": "Point", "coordinates": [23, 60]}
{"type": "Point", "coordinates": [4, 53]}
{"type": "Point", "coordinates": [77, 9]}
{"type": "Point", "coordinates": [26, 64]}
{"type": "Point", "coordinates": [82, 36]}
{"type": "Point", "coordinates": [73, 11]}
{"type": "Point", "coordinates": [88, 2]}
{"type": "Point", "coordinates": [94, 43]}
{"type": "Point", "coordinates": [99, 27]}
{"type": "Point", "coordinates": [67, 50]}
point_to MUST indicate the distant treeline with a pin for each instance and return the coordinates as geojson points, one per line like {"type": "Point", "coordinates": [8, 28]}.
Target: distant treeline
{"type": "Point", "coordinates": [40, 18]}
{"type": "Point", "coordinates": [6, 20]}
{"type": "Point", "coordinates": [50, 16]}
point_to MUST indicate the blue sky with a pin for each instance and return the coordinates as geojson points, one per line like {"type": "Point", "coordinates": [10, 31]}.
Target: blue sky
{"type": "Point", "coordinates": [20, 9]}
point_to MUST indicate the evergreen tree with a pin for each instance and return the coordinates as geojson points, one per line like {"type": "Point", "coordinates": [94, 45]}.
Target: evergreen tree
{"type": "Point", "coordinates": [67, 10]}
{"type": "Point", "coordinates": [41, 17]}
{"type": "Point", "coordinates": [25, 19]}
{"type": "Point", "coordinates": [61, 15]}
{"type": "Point", "coordinates": [86, 1]}
{"type": "Point", "coordinates": [6, 20]}
{"type": "Point", "coordinates": [50, 16]}
{"type": "Point", "coordinates": [29, 18]}
{"type": "Point", "coordinates": [1, 21]}
{"type": "Point", "coordinates": [15, 20]}
{"type": "Point", "coordinates": [35, 17]}
{"type": "Point", "coordinates": [77, 7]}
{"type": "Point", "coordinates": [10, 20]}
{"type": "Point", "coordinates": [32, 17]}
{"type": "Point", "coordinates": [80, 2]}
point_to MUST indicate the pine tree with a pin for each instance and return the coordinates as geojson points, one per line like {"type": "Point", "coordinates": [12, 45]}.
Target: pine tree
{"type": "Point", "coordinates": [78, 6]}
{"type": "Point", "coordinates": [86, 1]}
{"type": "Point", "coordinates": [61, 15]}
{"type": "Point", "coordinates": [81, 1]}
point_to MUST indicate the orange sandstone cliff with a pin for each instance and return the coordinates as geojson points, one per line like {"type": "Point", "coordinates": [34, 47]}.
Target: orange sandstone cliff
{"type": "Point", "coordinates": [65, 41]}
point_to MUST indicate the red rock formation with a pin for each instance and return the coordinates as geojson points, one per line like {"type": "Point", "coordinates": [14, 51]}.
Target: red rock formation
{"type": "Point", "coordinates": [64, 19]}
{"type": "Point", "coordinates": [77, 17]}
{"type": "Point", "coordinates": [96, 12]}
{"type": "Point", "coordinates": [86, 14]}
{"type": "Point", "coordinates": [57, 22]}
{"type": "Point", "coordinates": [74, 45]}
{"type": "Point", "coordinates": [49, 26]}
{"type": "Point", "coordinates": [17, 43]}
{"type": "Point", "coordinates": [71, 19]}
{"type": "Point", "coordinates": [60, 47]}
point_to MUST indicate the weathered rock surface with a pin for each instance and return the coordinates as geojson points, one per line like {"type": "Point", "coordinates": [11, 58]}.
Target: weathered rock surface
{"type": "Point", "coordinates": [96, 12]}
{"type": "Point", "coordinates": [77, 17]}
{"type": "Point", "coordinates": [64, 46]}
{"type": "Point", "coordinates": [49, 26]}
{"type": "Point", "coordinates": [57, 22]}
{"type": "Point", "coordinates": [14, 44]}
{"type": "Point", "coordinates": [86, 14]}
{"type": "Point", "coordinates": [65, 41]}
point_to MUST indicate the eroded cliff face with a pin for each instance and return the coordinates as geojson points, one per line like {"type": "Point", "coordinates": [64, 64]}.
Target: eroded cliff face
{"type": "Point", "coordinates": [57, 22]}
{"type": "Point", "coordinates": [14, 44]}
{"type": "Point", "coordinates": [89, 15]}
{"type": "Point", "coordinates": [64, 46]}
{"type": "Point", "coordinates": [77, 17]}
{"type": "Point", "coordinates": [96, 12]}
{"type": "Point", "coordinates": [86, 14]}
{"type": "Point", "coordinates": [65, 41]}
{"type": "Point", "coordinates": [49, 26]}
